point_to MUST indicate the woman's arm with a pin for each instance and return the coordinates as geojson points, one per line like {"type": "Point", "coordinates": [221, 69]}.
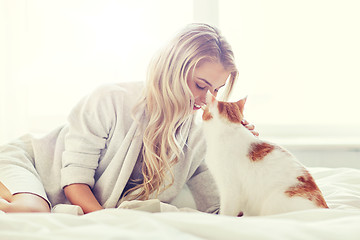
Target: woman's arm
{"type": "Point", "coordinates": [81, 195]}
{"type": "Point", "coordinates": [89, 125]}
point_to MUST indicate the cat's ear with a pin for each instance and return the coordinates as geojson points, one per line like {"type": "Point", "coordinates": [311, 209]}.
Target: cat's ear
{"type": "Point", "coordinates": [241, 104]}
{"type": "Point", "coordinates": [210, 99]}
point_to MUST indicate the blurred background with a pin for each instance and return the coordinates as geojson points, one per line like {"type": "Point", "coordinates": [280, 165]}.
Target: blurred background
{"type": "Point", "coordinates": [299, 62]}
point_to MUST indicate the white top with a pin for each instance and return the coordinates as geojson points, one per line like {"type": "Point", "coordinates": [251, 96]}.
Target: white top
{"type": "Point", "coordinates": [100, 146]}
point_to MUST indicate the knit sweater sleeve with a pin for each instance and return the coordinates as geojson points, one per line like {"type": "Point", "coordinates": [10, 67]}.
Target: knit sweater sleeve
{"type": "Point", "coordinates": [90, 123]}
{"type": "Point", "coordinates": [204, 190]}
{"type": "Point", "coordinates": [200, 181]}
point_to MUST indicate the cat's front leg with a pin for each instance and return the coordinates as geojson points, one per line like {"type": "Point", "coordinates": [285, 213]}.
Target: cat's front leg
{"type": "Point", "coordinates": [231, 205]}
{"type": "Point", "coordinates": [231, 210]}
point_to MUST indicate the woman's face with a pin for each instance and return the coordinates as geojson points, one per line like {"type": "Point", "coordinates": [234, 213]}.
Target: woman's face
{"type": "Point", "coordinates": [208, 76]}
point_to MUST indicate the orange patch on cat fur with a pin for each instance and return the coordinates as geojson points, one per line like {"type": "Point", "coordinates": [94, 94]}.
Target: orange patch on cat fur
{"type": "Point", "coordinates": [258, 151]}
{"type": "Point", "coordinates": [307, 188]}
{"type": "Point", "coordinates": [207, 115]}
{"type": "Point", "coordinates": [230, 111]}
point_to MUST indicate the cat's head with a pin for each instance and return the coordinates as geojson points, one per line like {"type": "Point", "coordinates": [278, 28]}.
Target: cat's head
{"type": "Point", "coordinates": [231, 111]}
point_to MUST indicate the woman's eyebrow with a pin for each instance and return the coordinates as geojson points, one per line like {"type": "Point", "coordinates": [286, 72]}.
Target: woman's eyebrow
{"type": "Point", "coordinates": [202, 79]}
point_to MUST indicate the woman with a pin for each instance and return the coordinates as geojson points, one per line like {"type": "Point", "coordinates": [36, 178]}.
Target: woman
{"type": "Point", "coordinates": [117, 146]}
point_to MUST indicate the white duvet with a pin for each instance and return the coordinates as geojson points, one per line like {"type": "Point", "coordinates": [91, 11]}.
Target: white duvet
{"type": "Point", "coordinates": [340, 186]}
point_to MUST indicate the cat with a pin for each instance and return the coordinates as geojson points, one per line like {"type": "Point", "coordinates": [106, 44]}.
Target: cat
{"type": "Point", "coordinates": [254, 177]}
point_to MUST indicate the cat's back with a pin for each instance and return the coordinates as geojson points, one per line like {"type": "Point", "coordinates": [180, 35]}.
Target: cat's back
{"type": "Point", "coordinates": [274, 163]}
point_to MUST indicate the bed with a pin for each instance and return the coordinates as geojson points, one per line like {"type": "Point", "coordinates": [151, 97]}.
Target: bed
{"type": "Point", "coordinates": [153, 220]}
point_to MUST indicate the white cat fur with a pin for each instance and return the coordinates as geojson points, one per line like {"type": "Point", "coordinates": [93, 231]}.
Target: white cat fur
{"type": "Point", "coordinates": [254, 188]}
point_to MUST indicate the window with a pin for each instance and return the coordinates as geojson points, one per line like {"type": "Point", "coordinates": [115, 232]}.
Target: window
{"type": "Point", "coordinates": [58, 51]}
{"type": "Point", "coordinates": [299, 65]}
{"type": "Point", "coordinates": [298, 60]}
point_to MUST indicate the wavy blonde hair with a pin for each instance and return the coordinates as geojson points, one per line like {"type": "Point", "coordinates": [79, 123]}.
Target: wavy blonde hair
{"type": "Point", "coordinates": [168, 101]}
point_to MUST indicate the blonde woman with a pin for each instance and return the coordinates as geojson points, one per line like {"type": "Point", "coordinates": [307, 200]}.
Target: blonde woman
{"type": "Point", "coordinates": [127, 141]}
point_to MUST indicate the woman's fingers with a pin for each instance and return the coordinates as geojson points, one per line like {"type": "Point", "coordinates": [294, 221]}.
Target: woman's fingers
{"type": "Point", "coordinates": [249, 126]}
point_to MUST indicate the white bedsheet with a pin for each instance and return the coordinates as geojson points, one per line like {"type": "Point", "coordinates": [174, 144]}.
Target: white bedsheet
{"type": "Point", "coordinates": [340, 186]}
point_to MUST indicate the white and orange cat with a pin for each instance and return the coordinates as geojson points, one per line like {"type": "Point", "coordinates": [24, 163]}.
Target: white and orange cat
{"type": "Point", "coordinates": [254, 177]}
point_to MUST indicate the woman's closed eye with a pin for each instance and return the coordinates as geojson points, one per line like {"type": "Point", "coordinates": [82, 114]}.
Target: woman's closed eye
{"type": "Point", "coordinates": [200, 87]}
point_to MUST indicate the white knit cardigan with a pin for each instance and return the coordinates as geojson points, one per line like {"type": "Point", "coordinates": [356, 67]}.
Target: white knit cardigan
{"type": "Point", "coordinates": [101, 143]}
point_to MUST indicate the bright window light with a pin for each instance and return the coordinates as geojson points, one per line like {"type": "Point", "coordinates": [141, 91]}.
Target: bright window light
{"type": "Point", "coordinates": [58, 51]}
{"type": "Point", "coordinates": [299, 64]}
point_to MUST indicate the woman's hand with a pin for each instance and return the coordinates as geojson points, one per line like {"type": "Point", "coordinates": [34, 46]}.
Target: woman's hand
{"type": "Point", "coordinates": [81, 195]}
{"type": "Point", "coordinates": [249, 126]}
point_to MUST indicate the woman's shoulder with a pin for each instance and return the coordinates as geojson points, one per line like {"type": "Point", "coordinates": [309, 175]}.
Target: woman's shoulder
{"type": "Point", "coordinates": [117, 93]}
{"type": "Point", "coordinates": [130, 89]}
{"type": "Point", "coordinates": [110, 99]}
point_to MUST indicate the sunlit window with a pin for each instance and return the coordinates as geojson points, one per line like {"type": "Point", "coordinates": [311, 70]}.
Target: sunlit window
{"type": "Point", "coordinates": [299, 64]}
{"type": "Point", "coordinates": [58, 51]}
{"type": "Point", "coordinates": [298, 60]}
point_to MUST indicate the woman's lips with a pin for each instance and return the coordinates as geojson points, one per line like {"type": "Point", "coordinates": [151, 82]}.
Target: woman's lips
{"type": "Point", "coordinates": [196, 107]}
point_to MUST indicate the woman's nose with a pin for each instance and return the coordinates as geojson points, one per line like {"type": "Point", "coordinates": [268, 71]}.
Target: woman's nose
{"type": "Point", "coordinates": [203, 98]}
